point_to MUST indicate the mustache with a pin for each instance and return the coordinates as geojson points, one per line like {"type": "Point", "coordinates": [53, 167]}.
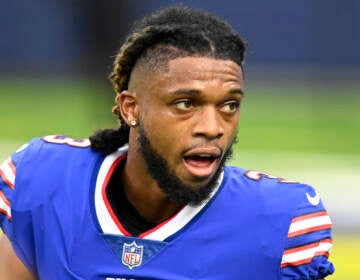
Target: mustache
{"type": "Point", "coordinates": [203, 146]}
{"type": "Point", "coordinates": [227, 151]}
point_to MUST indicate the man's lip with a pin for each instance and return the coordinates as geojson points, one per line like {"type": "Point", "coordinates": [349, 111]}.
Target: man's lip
{"type": "Point", "coordinates": [209, 151]}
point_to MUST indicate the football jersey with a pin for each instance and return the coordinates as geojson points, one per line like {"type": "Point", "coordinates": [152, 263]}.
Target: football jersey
{"type": "Point", "coordinates": [55, 211]}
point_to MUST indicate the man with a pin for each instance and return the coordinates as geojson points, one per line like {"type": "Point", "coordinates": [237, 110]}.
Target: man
{"type": "Point", "coordinates": [153, 199]}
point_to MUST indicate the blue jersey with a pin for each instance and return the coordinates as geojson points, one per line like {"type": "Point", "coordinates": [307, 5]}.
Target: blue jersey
{"type": "Point", "coordinates": [55, 211]}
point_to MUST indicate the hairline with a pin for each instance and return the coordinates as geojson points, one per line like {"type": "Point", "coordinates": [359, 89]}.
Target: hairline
{"type": "Point", "coordinates": [160, 64]}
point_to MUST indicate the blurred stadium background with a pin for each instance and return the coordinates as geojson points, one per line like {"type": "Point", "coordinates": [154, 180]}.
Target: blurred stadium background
{"type": "Point", "coordinates": [300, 118]}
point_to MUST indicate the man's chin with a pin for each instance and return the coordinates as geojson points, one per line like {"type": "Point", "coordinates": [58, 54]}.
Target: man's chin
{"type": "Point", "coordinates": [185, 187]}
{"type": "Point", "coordinates": [197, 182]}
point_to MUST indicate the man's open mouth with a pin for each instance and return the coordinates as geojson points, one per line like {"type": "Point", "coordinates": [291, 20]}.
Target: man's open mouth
{"type": "Point", "coordinates": [202, 162]}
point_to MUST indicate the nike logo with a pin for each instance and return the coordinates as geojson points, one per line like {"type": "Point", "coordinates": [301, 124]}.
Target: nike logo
{"type": "Point", "coordinates": [314, 200]}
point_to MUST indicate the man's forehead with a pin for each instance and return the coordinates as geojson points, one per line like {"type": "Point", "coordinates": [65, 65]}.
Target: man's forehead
{"type": "Point", "coordinates": [189, 69]}
{"type": "Point", "coordinates": [191, 64]}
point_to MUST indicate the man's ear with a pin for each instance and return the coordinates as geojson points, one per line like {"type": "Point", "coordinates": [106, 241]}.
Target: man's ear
{"type": "Point", "coordinates": [128, 105]}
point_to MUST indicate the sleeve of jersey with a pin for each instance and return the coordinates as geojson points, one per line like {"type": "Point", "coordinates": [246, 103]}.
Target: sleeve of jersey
{"type": "Point", "coordinates": [15, 224]}
{"type": "Point", "coordinates": [308, 242]}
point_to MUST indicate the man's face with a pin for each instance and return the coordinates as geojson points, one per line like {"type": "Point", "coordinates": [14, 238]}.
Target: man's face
{"type": "Point", "coordinates": [189, 117]}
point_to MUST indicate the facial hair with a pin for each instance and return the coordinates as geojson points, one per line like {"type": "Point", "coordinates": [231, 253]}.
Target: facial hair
{"type": "Point", "coordinates": [171, 184]}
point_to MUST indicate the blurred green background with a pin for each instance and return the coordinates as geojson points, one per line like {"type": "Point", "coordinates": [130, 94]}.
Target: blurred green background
{"type": "Point", "coordinates": [311, 135]}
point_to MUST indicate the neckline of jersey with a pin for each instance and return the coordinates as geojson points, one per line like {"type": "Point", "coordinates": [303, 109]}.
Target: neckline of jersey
{"type": "Point", "coordinates": [110, 224]}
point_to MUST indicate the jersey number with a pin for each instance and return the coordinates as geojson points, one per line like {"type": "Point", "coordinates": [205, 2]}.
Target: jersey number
{"type": "Point", "coordinates": [257, 175]}
{"type": "Point", "coordinates": [61, 139]}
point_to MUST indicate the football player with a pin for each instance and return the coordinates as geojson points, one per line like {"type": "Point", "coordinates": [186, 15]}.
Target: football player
{"type": "Point", "coordinates": [154, 199]}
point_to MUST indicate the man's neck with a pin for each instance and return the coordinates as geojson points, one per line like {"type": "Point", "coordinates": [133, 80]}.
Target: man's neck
{"type": "Point", "coordinates": [144, 194]}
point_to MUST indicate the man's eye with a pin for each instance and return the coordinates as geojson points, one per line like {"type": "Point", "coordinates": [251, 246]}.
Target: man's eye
{"type": "Point", "coordinates": [230, 107]}
{"type": "Point", "coordinates": [184, 104]}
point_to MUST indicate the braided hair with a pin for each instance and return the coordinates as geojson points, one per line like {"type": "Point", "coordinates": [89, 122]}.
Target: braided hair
{"type": "Point", "coordinates": [177, 31]}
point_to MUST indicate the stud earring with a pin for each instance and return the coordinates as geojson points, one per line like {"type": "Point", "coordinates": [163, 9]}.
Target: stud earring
{"type": "Point", "coordinates": [133, 123]}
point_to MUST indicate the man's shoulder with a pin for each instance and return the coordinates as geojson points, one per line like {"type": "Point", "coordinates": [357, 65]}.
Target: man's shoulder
{"type": "Point", "coordinates": [260, 180]}
{"type": "Point", "coordinates": [49, 147]}
{"type": "Point", "coordinates": [267, 189]}
{"type": "Point", "coordinates": [62, 144]}
{"type": "Point", "coordinates": [46, 165]}
{"type": "Point", "coordinates": [53, 153]}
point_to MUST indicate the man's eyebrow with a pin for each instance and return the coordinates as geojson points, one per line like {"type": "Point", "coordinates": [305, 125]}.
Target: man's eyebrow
{"type": "Point", "coordinates": [186, 91]}
{"type": "Point", "coordinates": [237, 91]}
{"type": "Point", "coordinates": [197, 92]}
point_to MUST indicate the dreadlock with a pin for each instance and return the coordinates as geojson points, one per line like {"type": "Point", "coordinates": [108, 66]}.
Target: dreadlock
{"type": "Point", "coordinates": [177, 31]}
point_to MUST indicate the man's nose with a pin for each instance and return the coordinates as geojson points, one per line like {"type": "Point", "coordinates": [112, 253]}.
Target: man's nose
{"type": "Point", "coordinates": [209, 123]}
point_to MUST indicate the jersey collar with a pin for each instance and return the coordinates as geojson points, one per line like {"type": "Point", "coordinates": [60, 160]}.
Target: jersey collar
{"type": "Point", "coordinates": [110, 224]}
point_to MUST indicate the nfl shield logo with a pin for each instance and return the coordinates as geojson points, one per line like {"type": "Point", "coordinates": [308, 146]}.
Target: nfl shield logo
{"type": "Point", "coordinates": [132, 254]}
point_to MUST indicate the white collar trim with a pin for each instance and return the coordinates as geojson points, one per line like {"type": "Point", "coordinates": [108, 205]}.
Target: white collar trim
{"type": "Point", "coordinates": [108, 220]}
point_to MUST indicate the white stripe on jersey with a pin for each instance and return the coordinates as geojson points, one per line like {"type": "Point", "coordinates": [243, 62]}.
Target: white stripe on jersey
{"type": "Point", "coordinates": [160, 232]}
{"type": "Point", "coordinates": [309, 223]}
{"type": "Point", "coordinates": [21, 148]}
{"type": "Point", "coordinates": [304, 254]}
{"type": "Point", "coordinates": [7, 172]}
{"type": "Point", "coordinates": [105, 220]}
{"type": "Point", "coordinates": [5, 206]}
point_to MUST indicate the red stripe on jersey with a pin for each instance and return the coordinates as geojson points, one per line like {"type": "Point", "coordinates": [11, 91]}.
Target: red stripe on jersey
{"type": "Point", "coordinates": [308, 230]}
{"type": "Point", "coordinates": [299, 249]}
{"type": "Point", "coordinates": [3, 197]}
{"type": "Point", "coordinates": [308, 216]}
{"type": "Point", "coordinates": [309, 223]}
{"type": "Point", "coordinates": [305, 261]}
{"type": "Point", "coordinates": [6, 181]}
{"type": "Point", "coordinates": [307, 246]}
{"type": "Point", "coordinates": [107, 202]}
{"type": "Point", "coordinates": [7, 202]}
{"type": "Point", "coordinates": [11, 165]}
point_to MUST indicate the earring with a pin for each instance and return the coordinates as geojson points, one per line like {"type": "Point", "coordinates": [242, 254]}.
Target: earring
{"type": "Point", "coordinates": [133, 123]}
